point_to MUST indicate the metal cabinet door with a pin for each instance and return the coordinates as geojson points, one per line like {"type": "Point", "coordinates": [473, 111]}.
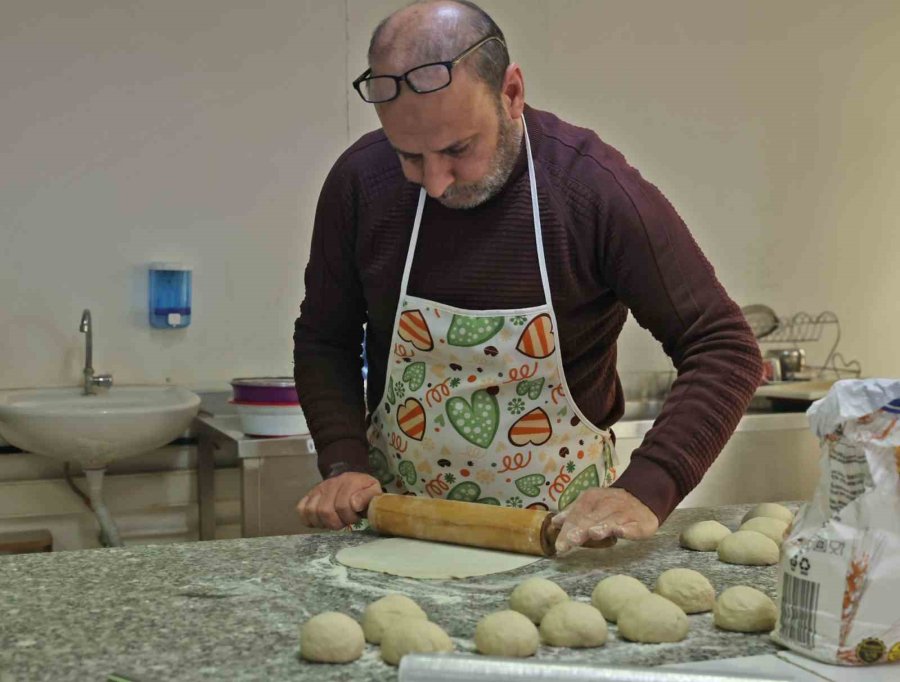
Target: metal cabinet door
{"type": "Point", "coordinates": [271, 489]}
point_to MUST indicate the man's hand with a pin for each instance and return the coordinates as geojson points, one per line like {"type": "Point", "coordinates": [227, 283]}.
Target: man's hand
{"type": "Point", "coordinates": [338, 502]}
{"type": "Point", "coordinates": [603, 514]}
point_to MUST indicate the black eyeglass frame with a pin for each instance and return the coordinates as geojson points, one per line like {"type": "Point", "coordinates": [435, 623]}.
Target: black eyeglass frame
{"type": "Point", "coordinates": [367, 74]}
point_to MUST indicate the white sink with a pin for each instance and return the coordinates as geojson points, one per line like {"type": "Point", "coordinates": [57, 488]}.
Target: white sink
{"type": "Point", "coordinates": [94, 430]}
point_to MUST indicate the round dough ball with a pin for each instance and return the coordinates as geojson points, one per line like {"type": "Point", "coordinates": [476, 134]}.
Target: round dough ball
{"type": "Point", "coordinates": [653, 619]}
{"type": "Point", "coordinates": [379, 614]}
{"type": "Point", "coordinates": [703, 536]}
{"type": "Point", "coordinates": [744, 609]}
{"type": "Point", "coordinates": [614, 592]}
{"type": "Point", "coordinates": [573, 624]}
{"type": "Point", "coordinates": [534, 597]}
{"type": "Point", "coordinates": [770, 509]}
{"type": "Point", "coordinates": [749, 548]}
{"type": "Point", "coordinates": [687, 589]}
{"type": "Point", "coordinates": [506, 633]}
{"type": "Point", "coordinates": [413, 636]}
{"type": "Point", "coordinates": [331, 637]}
{"type": "Point", "coordinates": [774, 529]}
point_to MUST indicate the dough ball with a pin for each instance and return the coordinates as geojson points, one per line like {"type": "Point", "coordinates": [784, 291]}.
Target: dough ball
{"type": "Point", "coordinates": [506, 633]}
{"type": "Point", "coordinates": [773, 529]}
{"type": "Point", "coordinates": [653, 619]}
{"type": "Point", "coordinates": [703, 536]}
{"type": "Point", "coordinates": [413, 636]}
{"type": "Point", "coordinates": [534, 597]}
{"type": "Point", "coordinates": [749, 548]}
{"type": "Point", "coordinates": [770, 509]}
{"type": "Point", "coordinates": [614, 592]}
{"type": "Point", "coordinates": [744, 609]}
{"type": "Point", "coordinates": [687, 589]}
{"type": "Point", "coordinates": [379, 614]}
{"type": "Point", "coordinates": [573, 624]}
{"type": "Point", "coordinates": [331, 637]}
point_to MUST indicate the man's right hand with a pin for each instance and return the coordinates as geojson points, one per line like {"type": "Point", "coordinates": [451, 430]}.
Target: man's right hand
{"type": "Point", "coordinates": [338, 502]}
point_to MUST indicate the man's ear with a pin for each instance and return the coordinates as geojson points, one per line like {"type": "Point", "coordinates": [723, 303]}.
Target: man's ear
{"type": "Point", "coordinates": [512, 92]}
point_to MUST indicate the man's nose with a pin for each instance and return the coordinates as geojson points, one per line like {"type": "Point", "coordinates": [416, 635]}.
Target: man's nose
{"type": "Point", "coordinates": [437, 176]}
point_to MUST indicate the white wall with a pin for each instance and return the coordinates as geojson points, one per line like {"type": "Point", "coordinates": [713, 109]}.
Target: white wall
{"type": "Point", "coordinates": [140, 131]}
{"type": "Point", "coordinates": [201, 130]}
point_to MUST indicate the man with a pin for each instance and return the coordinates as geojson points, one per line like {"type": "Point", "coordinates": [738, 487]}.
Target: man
{"type": "Point", "coordinates": [492, 252]}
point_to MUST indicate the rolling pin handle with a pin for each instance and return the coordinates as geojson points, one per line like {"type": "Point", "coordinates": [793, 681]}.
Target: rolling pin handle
{"type": "Point", "coordinates": [549, 533]}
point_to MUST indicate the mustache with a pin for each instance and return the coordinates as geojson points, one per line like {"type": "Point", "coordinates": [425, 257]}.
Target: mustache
{"type": "Point", "coordinates": [457, 191]}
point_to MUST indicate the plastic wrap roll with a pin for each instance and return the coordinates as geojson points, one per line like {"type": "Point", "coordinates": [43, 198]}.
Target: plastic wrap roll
{"type": "Point", "coordinates": [444, 668]}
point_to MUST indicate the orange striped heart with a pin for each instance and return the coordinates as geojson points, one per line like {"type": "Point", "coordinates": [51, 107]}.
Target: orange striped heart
{"type": "Point", "coordinates": [532, 427]}
{"type": "Point", "coordinates": [414, 329]}
{"type": "Point", "coordinates": [411, 419]}
{"type": "Point", "coordinates": [537, 339]}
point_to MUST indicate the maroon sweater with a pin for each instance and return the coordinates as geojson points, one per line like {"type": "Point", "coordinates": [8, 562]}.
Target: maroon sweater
{"type": "Point", "coordinates": [613, 244]}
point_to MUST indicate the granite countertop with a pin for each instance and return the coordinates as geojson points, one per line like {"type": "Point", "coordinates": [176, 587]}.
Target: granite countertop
{"type": "Point", "coordinates": [231, 609]}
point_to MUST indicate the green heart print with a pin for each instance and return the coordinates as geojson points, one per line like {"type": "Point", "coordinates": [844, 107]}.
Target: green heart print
{"type": "Point", "coordinates": [531, 485]}
{"type": "Point", "coordinates": [470, 331]}
{"type": "Point", "coordinates": [588, 478]}
{"type": "Point", "coordinates": [414, 375]}
{"type": "Point", "coordinates": [390, 392]}
{"type": "Point", "coordinates": [407, 472]}
{"type": "Point", "coordinates": [467, 491]}
{"type": "Point", "coordinates": [531, 388]}
{"type": "Point", "coordinates": [379, 466]}
{"type": "Point", "coordinates": [478, 422]}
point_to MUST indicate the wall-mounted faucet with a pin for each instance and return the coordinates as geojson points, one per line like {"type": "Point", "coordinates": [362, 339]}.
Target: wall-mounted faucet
{"type": "Point", "coordinates": [101, 382]}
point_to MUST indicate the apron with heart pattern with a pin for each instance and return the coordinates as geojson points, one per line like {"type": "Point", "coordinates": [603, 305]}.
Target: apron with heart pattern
{"type": "Point", "coordinates": [476, 406]}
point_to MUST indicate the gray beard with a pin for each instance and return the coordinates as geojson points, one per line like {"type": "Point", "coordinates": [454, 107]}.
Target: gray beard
{"type": "Point", "coordinates": [509, 139]}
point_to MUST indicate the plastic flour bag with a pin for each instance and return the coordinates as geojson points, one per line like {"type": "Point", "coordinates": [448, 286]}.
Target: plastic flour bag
{"type": "Point", "coordinates": [839, 577]}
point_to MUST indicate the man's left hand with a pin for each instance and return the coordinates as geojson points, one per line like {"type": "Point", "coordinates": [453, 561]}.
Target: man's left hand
{"type": "Point", "coordinates": [604, 514]}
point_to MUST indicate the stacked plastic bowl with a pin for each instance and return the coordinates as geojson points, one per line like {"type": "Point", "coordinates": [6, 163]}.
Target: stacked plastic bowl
{"type": "Point", "coordinates": [268, 406]}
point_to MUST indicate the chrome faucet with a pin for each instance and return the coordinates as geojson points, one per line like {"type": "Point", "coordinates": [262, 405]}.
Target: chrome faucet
{"type": "Point", "coordinates": [101, 382]}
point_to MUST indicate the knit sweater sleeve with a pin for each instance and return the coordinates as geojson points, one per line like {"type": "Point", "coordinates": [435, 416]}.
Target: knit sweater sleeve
{"type": "Point", "coordinates": [658, 271]}
{"type": "Point", "coordinates": [328, 334]}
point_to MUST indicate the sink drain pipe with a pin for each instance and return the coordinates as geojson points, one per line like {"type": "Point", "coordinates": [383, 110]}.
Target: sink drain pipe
{"type": "Point", "coordinates": [107, 525]}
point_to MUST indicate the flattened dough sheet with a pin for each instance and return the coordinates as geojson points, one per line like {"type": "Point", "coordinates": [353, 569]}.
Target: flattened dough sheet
{"type": "Point", "coordinates": [430, 560]}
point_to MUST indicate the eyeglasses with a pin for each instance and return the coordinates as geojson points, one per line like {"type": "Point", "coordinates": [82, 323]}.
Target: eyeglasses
{"type": "Point", "coordinates": [424, 78]}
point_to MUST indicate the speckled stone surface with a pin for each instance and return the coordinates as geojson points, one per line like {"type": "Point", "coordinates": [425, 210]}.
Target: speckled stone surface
{"type": "Point", "coordinates": [231, 609]}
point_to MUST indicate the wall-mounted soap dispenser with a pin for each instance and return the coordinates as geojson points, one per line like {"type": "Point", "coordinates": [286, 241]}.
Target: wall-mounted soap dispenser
{"type": "Point", "coordinates": [170, 295]}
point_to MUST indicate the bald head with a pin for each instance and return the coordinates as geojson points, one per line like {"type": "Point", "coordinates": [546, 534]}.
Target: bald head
{"type": "Point", "coordinates": [439, 30]}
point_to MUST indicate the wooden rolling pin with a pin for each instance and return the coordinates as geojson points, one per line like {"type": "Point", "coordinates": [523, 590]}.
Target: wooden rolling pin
{"type": "Point", "coordinates": [525, 531]}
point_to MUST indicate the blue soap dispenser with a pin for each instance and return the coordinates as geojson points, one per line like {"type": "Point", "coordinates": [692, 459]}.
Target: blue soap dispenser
{"type": "Point", "coordinates": [170, 295]}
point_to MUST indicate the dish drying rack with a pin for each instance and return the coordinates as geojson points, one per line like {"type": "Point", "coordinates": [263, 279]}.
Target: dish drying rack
{"type": "Point", "coordinates": [805, 328]}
